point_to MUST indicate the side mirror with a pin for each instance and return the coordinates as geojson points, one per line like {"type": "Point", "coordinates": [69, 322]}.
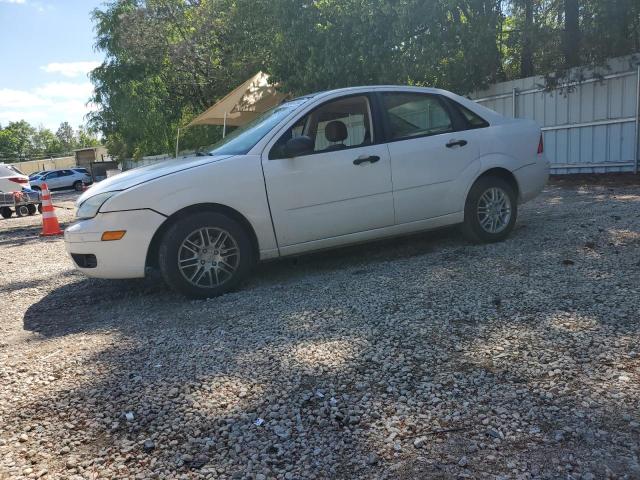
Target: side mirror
{"type": "Point", "coordinates": [298, 146]}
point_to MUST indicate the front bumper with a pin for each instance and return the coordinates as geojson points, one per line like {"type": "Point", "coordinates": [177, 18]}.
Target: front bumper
{"type": "Point", "coordinates": [125, 258]}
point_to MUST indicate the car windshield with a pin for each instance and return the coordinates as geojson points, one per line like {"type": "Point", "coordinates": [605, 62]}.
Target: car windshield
{"type": "Point", "coordinates": [243, 139]}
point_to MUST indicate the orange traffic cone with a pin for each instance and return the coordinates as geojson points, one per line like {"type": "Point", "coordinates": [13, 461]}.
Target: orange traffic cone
{"type": "Point", "coordinates": [50, 225]}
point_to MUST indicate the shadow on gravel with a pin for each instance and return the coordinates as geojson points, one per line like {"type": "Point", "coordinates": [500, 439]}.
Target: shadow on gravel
{"type": "Point", "coordinates": [78, 306]}
{"type": "Point", "coordinates": [16, 286]}
{"type": "Point", "coordinates": [501, 357]}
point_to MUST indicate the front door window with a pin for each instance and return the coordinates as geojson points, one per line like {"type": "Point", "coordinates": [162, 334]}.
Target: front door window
{"type": "Point", "coordinates": [338, 125]}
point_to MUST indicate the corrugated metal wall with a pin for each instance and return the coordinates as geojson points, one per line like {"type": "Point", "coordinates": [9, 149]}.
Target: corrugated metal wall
{"type": "Point", "coordinates": [589, 127]}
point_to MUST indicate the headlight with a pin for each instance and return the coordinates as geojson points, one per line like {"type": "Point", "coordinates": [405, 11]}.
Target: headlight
{"type": "Point", "coordinates": [91, 205]}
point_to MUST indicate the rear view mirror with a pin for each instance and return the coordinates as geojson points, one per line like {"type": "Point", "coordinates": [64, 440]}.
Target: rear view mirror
{"type": "Point", "coordinates": [298, 146]}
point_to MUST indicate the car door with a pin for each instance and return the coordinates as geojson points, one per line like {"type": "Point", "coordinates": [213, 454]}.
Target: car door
{"type": "Point", "coordinates": [342, 186]}
{"type": "Point", "coordinates": [66, 178]}
{"type": "Point", "coordinates": [429, 153]}
{"type": "Point", "coordinates": [52, 179]}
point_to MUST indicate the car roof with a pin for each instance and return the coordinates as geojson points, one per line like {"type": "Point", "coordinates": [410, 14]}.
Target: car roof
{"type": "Point", "coordinates": [373, 88]}
{"type": "Point", "coordinates": [363, 88]}
{"type": "Point", "coordinates": [490, 115]}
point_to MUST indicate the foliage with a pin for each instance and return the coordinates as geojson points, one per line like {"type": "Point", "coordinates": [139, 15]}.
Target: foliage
{"type": "Point", "coordinates": [22, 141]}
{"type": "Point", "coordinates": [65, 136]}
{"type": "Point", "coordinates": [167, 60]}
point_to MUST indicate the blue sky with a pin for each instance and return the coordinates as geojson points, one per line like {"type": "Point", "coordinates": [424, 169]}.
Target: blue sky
{"type": "Point", "coordinates": [46, 51]}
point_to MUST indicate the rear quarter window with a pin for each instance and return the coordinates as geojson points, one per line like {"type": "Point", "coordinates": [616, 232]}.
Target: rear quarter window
{"type": "Point", "coordinates": [7, 171]}
{"type": "Point", "coordinates": [19, 172]}
{"type": "Point", "coordinates": [472, 119]}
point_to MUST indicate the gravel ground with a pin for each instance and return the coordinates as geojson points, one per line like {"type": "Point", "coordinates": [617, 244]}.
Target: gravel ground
{"type": "Point", "coordinates": [423, 357]}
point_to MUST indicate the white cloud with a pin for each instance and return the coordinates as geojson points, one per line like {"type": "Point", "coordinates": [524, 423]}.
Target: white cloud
{"type": "Point", "coordinates": [65, 90]}
{"type": "Point", "coordinates": [20, 99]}
{"type": "Point", "coordinates": [42, 7]}
{"type": "Point", "coordinates": [49, 104]}
{"type": "Point", "coordinates": [70, 69]}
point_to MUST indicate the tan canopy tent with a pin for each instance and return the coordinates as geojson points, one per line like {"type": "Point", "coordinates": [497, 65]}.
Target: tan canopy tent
{"type": "Point", "coordinates": [241, 105]}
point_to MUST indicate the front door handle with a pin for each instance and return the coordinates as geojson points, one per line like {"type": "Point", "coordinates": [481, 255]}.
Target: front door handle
{"type": "Point", "coordinates": [371, 159]}
{"type": "Point", "coordinates": [456, 143]}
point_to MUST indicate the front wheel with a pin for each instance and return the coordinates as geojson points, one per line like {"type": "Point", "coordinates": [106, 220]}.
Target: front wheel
{"type": "Point", "coordinates": [205, 255]}
{"type": "Point", "coordinates": [491, 210]}
{"type": "Point", "coordinates": [77, 186]}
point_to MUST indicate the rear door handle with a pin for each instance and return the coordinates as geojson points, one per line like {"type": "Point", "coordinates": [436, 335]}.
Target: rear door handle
{"type": "Point", "coordinates": [371, 159]}
{"type": "Point", "coordinates": [456, 143]}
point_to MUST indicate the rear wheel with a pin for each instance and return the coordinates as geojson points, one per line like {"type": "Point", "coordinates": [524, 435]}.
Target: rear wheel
{"type": "Point", "coordinates": [6, 212]}
{"type": "Point", "coordinates": [77, 186]}
{"type": "Point", "coordinates": [491, 210]}
{"type": "Point", "coordinates": [32, 209]}
{"type": "Point", "coordinates": [205, 255]}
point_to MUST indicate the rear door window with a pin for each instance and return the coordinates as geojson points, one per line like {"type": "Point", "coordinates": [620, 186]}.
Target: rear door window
{"type": "Point", "coordinates": [415, 115]}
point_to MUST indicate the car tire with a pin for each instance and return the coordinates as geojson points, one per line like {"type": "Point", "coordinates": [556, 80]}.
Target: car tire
{"type": "Point", "coordinates": [6, 212]}
{"type": "Point", "coordinates": [77, 186]}
{"type": "Point", "coordinates": [39, 208]}
{"type": "Point", "coordinates": [205, 254]}
{"type": "Point", "coordinates": [491, 210]}
{"type": "Point", "coordinates": [22, 211]}
{"type": "Point", "coordinates": [32, 209]}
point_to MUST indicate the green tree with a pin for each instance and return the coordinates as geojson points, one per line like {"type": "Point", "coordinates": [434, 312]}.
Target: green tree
{"type": "Point", "coordinates": [16, 140]}
{"type": "Point", "coordinates": [86, 137]}
{"type": "Point", "coordinates": [167, 60]}
{"type": "Point", "coordinates": [571, 39]}
{"type": "Point", "coordinates": [66, 136]}
{"type": "Point", "coordinates": [45, 142]}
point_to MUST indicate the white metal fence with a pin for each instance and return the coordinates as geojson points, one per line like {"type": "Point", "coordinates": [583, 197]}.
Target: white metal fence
{"type": "Point", "coordinates": [590, 126]}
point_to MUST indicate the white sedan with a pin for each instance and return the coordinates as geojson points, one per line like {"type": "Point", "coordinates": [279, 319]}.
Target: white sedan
{"type": "Point", "coordinates": [317, 172]}
{"type": "Point", "coordinates": [12, 179]}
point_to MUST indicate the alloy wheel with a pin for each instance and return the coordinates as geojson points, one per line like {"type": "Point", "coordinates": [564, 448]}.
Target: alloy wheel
{"type": "Point", "coordinates": [494, 210]}
{"type": "Point", "coordinates": [208, 257]}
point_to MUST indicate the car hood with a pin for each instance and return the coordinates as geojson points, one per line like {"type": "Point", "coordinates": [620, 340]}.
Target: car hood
{"type": "Point", "coordinates": [139, 175]}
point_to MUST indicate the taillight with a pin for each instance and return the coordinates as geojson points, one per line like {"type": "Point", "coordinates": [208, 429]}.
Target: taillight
{"type": "Point", "coordinates": [18, 180]}
{"type": "Point", "coordinates": [541, 145]}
